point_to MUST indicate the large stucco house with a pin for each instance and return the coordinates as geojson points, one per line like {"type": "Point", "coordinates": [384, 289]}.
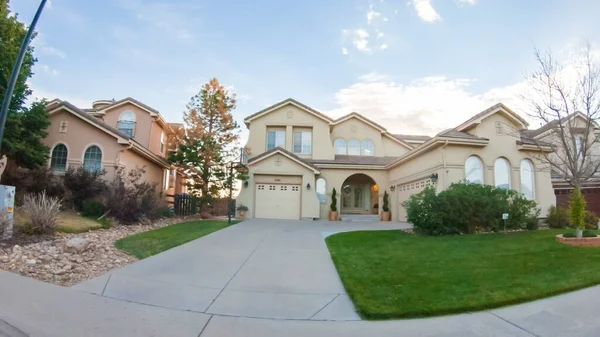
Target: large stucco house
{"type": "Point", "coordinates": [111, 134]}
{"type": "Point", "coordinates": [297, 155]}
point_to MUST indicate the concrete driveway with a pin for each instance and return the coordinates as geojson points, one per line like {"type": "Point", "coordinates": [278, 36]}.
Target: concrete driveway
{"type": "Point", "coordinates": [275, 269]}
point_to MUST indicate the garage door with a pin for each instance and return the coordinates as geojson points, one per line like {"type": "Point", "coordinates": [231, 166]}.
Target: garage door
{"type": "Point", "coordinates": [408, 189]}
{"type": "Point", "coordinates": [277, 201]}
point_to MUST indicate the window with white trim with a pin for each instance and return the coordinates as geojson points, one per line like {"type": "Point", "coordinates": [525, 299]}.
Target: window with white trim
{"type": "Point", "coordinates": [126, 123]}
{"type": "Point", "coordinates": [321, 190]}
{"type": "Point", "coordinates": [166, 179]}
{"type": "Point", "coordinates": [58, 160]}
{"type": "Point", "coordinates": [162, 142]}
{"type": "Point", "coordinates": [354, 147]}
{"type": "Point", "coordinates": [92, 159]}
{"type": "Point", "coordinates": [474, 170]}
{"type": "Point", "coordinates": [527, 179]}
{"type": "Point", "coordinates": [367, 148]}
{"type": "Point", "coordinates": [502, 173]}
{"type": "Point", "coordinates": [339, 144]}
{"type": "Point", "coordinates": [303, 142]}
{"type": "Point", "coordinates": [275, 138]}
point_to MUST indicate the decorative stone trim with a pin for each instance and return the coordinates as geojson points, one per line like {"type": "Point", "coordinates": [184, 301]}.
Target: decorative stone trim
{"type": "Point", "coordinates": [580, 242]}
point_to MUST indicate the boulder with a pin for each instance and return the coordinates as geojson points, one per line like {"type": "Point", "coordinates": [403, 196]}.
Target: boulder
{"type": "Point", "coordinates": [77, 245]}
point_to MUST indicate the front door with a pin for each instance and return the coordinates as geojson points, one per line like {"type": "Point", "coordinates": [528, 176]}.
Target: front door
{"type": "Point", "coordinates": [353, 199]}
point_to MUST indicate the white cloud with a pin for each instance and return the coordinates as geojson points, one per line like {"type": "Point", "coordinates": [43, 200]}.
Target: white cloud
{"type": "Point", "coordinates": [50, 71]}
{"type": "Point", "coordinates": [426, 11]}
{"type": "Point", "coordinates": [383, 46]}
{"type": "Point", "coordinates": [345, 51]}
{"type": "Point", "coordinates": [53, 51]}
{"type": "Point", "coordinates": [425, 106]}
{"type": "Point", "coordinates": [359, 38]}
{"type": "Point", "coordinates": [379, 35]}
{"type": "Point", "coordinates": [371, 15]}
{"type": "Point", "coordinates": [468, 2]}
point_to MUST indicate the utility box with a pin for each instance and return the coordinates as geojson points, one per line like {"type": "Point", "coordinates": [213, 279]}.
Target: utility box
{"type": "Point", "coordinates": [7, 206]}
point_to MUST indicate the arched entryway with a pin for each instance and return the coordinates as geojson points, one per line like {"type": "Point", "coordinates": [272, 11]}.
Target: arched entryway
{"type": "Point", "coordinates": [359, 195]}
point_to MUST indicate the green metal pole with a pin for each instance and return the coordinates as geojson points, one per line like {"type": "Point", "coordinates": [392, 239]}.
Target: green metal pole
{"type": "Point", "coordinates": [16, 69]}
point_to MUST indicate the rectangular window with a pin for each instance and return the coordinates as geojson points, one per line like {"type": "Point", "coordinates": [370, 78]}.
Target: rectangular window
{"type": "Point", "coordinates": [303, 142]}
{"type": "Point", "coordinates": [166, 179]}
{"type": "Point", "coordinates": [162, 142]}
{"type": "Point", "coordinates": [172, 177]}
{"type": "Point", "coordinates": [275, 138]}
{"type": "Point", "coordinates": [578, 143]}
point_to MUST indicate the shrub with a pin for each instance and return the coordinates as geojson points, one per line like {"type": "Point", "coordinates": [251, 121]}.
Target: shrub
{"type": "Point", "coordinates": [243, 208]}
{"type": "Point", "coordinates": [205, 215]}
{"type": "Point", "coordinates": [333, 205]}
{"type": "Point", "coordinates": [532, 224]}
{"type": "Point", "coordinates": [577, 209]}
{"type": "Point", "coordinates": [43, 212]}
{"type": "Point", "coordinates": [130, 198]}
{"type": "Point", "coordinates": [92, 208]}
{"type": "Point", "coordinates": [82, 185]}
{"type": "Point", "coordinates": [557, 217]}
{"type": "Point", "coordinates": [468, 208]}
{"type": "Point", "coordinates": [590, 220]}
{"type": "Point", "coordinates": [570, 235]}
{"type": "Point", "coordinates": [589, 234]}
{"type": "Point", "coordinates": [386, 207]}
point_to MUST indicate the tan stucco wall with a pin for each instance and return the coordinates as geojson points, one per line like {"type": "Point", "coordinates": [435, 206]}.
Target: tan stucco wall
{"type": "Point", "coordinates": [79, 136]}
{"type": "Point", "coordinates": [154, 172]}
{"type": "Point", "coordinates": [391, 148]}
{"type": "Point", "coordinates": [156, 131]}
{"type": "Point", "coordinates": [289, 117]}
{"type": "Point", "coordinates": [357, 129]}
{"type": "Point", "coordinates": [143, 121]}
{"type": "Point", "coordinates": [309, 203]}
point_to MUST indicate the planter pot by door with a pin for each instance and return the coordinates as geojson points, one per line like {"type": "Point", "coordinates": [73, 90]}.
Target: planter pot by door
{"type": "Point", "coordinates": [386, 216]}
{"type": "Point", "coordinates": [333, 216]}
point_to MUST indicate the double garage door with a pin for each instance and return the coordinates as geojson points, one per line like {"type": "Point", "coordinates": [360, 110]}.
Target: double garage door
{"type": "Point", "coordinates": [406, 190]}
{"type": "Point", "coordinates": [277, 201]}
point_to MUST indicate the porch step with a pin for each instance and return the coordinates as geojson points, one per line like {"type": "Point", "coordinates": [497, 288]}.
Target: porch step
{"type": "Point", "coordinates": [359, 217]}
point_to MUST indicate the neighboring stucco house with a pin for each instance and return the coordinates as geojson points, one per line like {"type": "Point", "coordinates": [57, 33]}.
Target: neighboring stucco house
{"type": "Point", "coordinates": [112, 134]}
{"type": "Point", "coordinates": [577, 125]}
{"type": "Point", "coordinates": [297, 155]}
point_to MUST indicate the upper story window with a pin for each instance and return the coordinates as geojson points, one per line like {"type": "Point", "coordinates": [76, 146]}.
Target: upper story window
{"type": "Point", "coordinates": [578, 145]}
{"type": "Point", "coordinates": [502, 173]}
{"type": "Point", "coordinates": [354, 147]}
{"type": "Point", "coordinates": [474, 170]}
{"type": "Point", "coordinates": [275, 138]}
{"type": "Point", "coordinates": [303, 142]}
{"type": "Point", "coordinates": [58, 160]}
{"type": "Point", "coordinates": [92, 159]}
{"type": "Point", "coordinates": [367, 148]}
{"type": "Point", "coordinates": [126, 123]}
{"type": "Point", "coordinates": [340, 146]}
{"type": "Point", "coordinates": [162, 142]}
{"type": "Point", "coordinates": [527, 179]}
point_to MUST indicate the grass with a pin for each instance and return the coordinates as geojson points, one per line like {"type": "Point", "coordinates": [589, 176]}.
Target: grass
{"type": "Point", "coordinates": [152, 242]}
{"type": "Point", "coordinates": [391, 274]}
{"type": "Point", "coordinates": [69, 222]}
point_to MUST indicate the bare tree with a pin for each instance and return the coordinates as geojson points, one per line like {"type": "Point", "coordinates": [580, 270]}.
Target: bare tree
{"type": "Point", "coordinates": [567, 101]}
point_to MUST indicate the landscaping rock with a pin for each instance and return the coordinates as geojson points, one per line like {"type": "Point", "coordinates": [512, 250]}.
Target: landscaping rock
{"type": "Point", "coordinates": [67, 259]}
{"type": "Point", "coordinates": [77, 245]}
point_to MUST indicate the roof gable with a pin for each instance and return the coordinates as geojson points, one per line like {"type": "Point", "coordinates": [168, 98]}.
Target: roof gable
{"type": "Point", "coordinates": [361, 118]}
{"type": "Point", "coordinates": [496, 108]}
{"type": "Point", "coordinates": [288, 101]}
{"type": "Point", "coordinates": [285, 153]}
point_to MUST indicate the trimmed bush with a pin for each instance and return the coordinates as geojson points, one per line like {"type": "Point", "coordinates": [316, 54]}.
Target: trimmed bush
{"type": "Point", "coordinates": [468, 208]}
{"type": "Point", "coordinates": [589, 234]}
{"type": "Point", "coordinates": [557, 217]}
{"type": "Point", "coordinates": [92, 208]}
{"type": "Point", "coordinates": [43, 212]}
{"type": "Point", "coordinates": [205, 215]}
{"type": "Point", "coordinates": [333, 206]}
{"type": "Point", "coordinates": [385, 207]}
{"type": "Point", "coordinates": [570, 235]}
{"type": "Point", "coordinates": [590, 220]}
{"type": "Point", "coordinates": [532, 224]}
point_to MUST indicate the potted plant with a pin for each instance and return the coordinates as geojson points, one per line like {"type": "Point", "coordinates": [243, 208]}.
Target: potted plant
{"type": "Point", "coordinates": [376, 209]}
{"type": "Point", "coordinates": [242, 209]}
{"type": "Point", "coordinates": [333, 214]}
{"type": "Point", "coordinates": [385, 215]}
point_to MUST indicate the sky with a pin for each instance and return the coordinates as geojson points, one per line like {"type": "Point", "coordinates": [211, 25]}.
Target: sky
{"type": "Point", "coordinates": [414, 66]}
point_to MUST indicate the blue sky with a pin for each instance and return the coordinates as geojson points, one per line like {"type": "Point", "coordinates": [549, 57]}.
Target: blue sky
{"type": "Point", "coordinates": [415, 66]}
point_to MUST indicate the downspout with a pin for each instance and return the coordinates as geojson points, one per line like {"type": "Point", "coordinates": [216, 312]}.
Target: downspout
{"type": "Point", "coordinates": [445, 173]}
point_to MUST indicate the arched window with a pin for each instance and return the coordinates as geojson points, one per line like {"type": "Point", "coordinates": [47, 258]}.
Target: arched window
{"type": "Point", "coordinates": [126, 123]}
{"type": "Point", "coordinates": [321, 190]}
{"type": "Point", "coordinates": [502, 173]}
{"type": "Point", "coordinates": [474, 170]}
{"type": "Point", "coordinates": [367, 148]}
{"type": "Point", "coordinates": [354, 147]}
{"type": "Point", "coordinates": [527, 179]}
{"type": "Point", "coordinates": [58, 160]}
{"type": "Point", "coordinates": [340, 146]}
{"type": "Point", "coordinates": [92, 159]}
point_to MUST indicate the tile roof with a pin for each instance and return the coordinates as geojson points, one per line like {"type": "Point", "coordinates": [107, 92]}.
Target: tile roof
{"type": "Point", "coordinates": [452, 133]}
{"type": "Point", "coordinates": [492, 108]}
{"type": "Point", "coordinates": [354, 160]}
{"type": "Point", "coordinates": [88, 117]}
{"type": "Point", "coordinates": [411, 137]}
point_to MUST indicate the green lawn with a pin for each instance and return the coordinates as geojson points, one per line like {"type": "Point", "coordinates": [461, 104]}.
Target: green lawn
{"type": "Point", "coordinates": [391, 274]}
{"type": "Point", "coordinates": [152, 242]}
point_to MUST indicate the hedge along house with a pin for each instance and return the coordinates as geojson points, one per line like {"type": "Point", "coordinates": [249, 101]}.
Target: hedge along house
{"type": "Point", "coordinates": [298, 155]}
{"type": "Point", "coordinates": [112, 134]}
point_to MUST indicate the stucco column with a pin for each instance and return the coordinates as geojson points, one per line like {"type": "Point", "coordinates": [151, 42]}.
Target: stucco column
{"type": "Point", "coordinates": [289, 138]}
